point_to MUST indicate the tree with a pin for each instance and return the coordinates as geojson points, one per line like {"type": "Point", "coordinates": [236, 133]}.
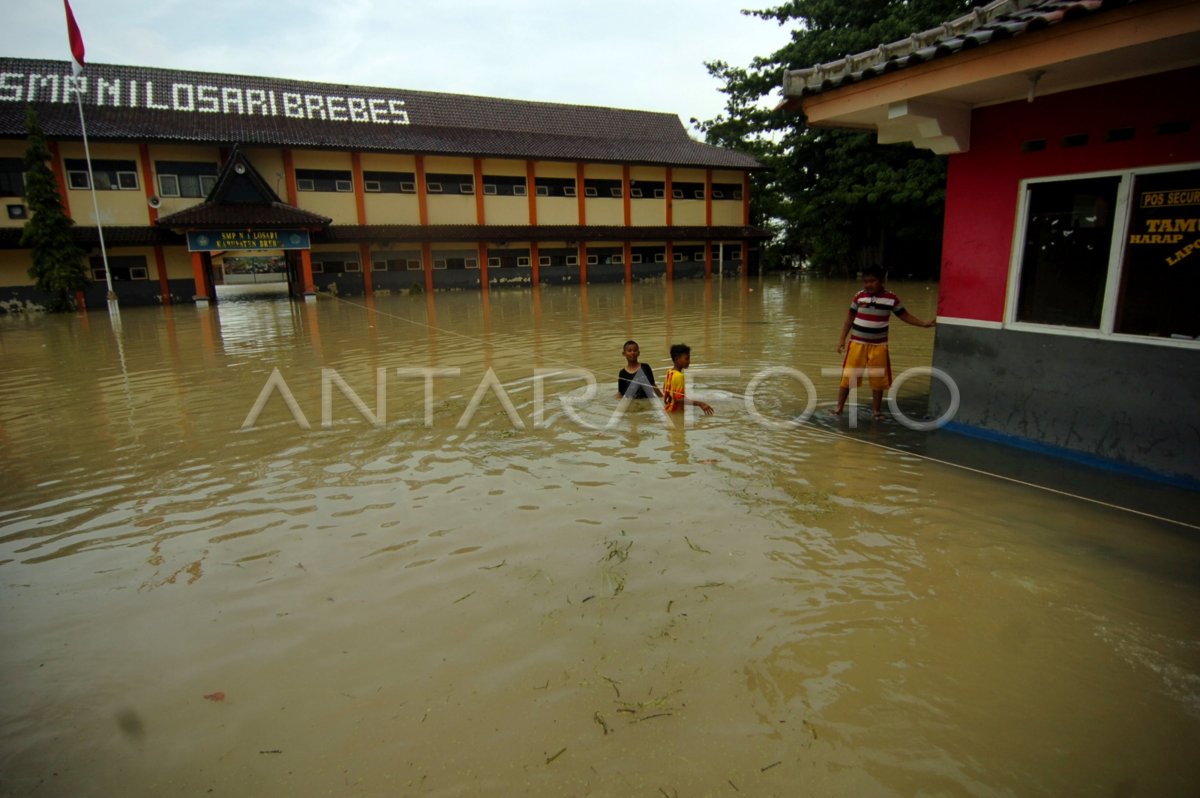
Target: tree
{"type": "Point", "coordinates": [840, 200]}
{"type": "Point", "coordinates": [58, 263]}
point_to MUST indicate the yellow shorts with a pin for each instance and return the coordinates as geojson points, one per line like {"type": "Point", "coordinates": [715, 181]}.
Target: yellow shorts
{"type": "Point", "coordinates": [871, 359]}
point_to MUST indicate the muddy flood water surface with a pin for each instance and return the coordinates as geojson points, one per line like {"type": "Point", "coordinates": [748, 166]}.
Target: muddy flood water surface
{"type": "Point", "coordinates": [361, 547]}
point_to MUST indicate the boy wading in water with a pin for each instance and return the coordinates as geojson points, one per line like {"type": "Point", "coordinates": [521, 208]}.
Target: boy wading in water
{"type": "Point", "coordinates": [867, 325]}
{"type": "Point", "coordinates": [636, 379]}
{"type": "Point", "coordinates": [674, 396]}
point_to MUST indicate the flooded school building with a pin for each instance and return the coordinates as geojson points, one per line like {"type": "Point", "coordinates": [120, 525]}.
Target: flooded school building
{"type": "Point", "coordinates": [1072, 230]}
{"type": "Point", "coordinates": [206, 178]}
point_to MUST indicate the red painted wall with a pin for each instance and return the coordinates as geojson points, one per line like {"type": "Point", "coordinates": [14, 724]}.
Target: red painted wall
{"type": "Point", "coordinates": [982, 187]}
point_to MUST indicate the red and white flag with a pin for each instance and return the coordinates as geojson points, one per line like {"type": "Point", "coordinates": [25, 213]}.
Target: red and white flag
{"type": "Point", "coordinates": [76, 40]}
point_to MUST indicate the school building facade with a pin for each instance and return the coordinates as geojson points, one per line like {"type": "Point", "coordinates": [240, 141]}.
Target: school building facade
{"type": "Point", "coordinates": [1072, 227]}
{"type": "Point", "coordinates": [202, 177]}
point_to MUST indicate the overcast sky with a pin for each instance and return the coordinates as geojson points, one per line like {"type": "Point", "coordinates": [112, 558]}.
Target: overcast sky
{"type": "Point", "coordinates": [643, 54]}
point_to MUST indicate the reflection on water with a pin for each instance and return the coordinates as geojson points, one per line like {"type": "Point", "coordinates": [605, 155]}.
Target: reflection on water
{"type": "Point", "coordinates": [377, 605]}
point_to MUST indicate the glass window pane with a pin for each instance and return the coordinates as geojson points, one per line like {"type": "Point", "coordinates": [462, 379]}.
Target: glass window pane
{"type": "Point", "coordinates": [1065, 263]}
{"type": "Point", "coordinates": [1162, 255]}
{"type": "Point", "coordinates": [189, 186]}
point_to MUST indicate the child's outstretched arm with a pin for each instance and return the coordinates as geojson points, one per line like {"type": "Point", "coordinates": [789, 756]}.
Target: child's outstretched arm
{"type": "Point", "coordinates": [707, 408]}
{"type": "Point", "coordinates": [913, 320]}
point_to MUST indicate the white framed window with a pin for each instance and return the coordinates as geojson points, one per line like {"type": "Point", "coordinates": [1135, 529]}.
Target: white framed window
{"type": "Point", "coordinates": [617, 260]}
{"type": "Point", "coordinates": [343, 185]}
{"type": "Point", "coordinates": [699, 193]}
{"type": "Point", "coordinates": [522, 261]}
{"type": "Point", "coordinates": [379, 266]}
{"type": "Point", "coordinates": [677, 193]}
{"type": "Point", "coordinates": [139, 273]}
{"type": "Point", "coordinates": [493, 263]}
{"type": "Point", "coordinates": [568, 191]}
{"type": "Point", "coordinates": [659, 257]}
{"type": "Point", "coordinates": [372, 186]}
{"type": "Point", "coordinates": [543, 260]}
{"type": "Point", "coordinates": [590, 191]}
{"type": "Point", "coordinates": [207, 184]}
{"type": "Point", "coordinates": [471, 263]}
{"type": "Point", "coordinates": [1097, 255]}
{"type": "Point", "coordinates": [718, 194]}
{"type": "Point", "coordinates": [616, 192]}
{"type": "Point", "coordinates": [698, 256]}
{"type": "Point", "coordinates": [306, 185]}
{"type": "Point", "coordinates": [572, 260]}
{"type": "Point", "coordinates": [318, 267]}
{"type": "Point", "coordinates": [168, 186]}
{"type": "Point", "coordinates": [127, 181]}
{"type": "Point", "coordinates": [79, 180]}
{"type": "Point", "coordinates": [489, 188]}
{"type": "Point", "coordinates": [433, 188]}
{"type": "Point", "coordinates": [519, 191]}
{"type": "Point", "coordinates": [466, 188]}
{"type": "Point", "coordinates": [660, 193]}
{"type": "Point", "coordinates": [677, 256]}
{"type": "Point", "coordinates": [408, 188]}
{"type": "Point", "coordinates": [635, 258]}
{"type": "Point", "coordinates": [439, 263]}
{"type": "Point", "coordinates": [635, 192]}
{"type": "Point", "coordinates": [353, 266]}
{"type": "Point", "coordinates": [413, 265]}
{"type": "Point", "coordinates": [543, 191]}
{"type": "Point", "coordinates": [593, 260]}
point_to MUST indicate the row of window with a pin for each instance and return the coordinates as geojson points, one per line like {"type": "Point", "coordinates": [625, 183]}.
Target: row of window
{"type": "Point", "coordinates": [524, 261]}
{"type": "Point", "coordinates": [504, 186]}
{"type": "Point", "coordinates": [197, 179]}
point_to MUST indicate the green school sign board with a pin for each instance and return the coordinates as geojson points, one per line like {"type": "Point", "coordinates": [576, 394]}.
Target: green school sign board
{"type": "Point", "coordinates": [226, 240]}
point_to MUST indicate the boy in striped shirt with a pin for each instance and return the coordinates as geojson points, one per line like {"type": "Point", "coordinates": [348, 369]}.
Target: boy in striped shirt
{"type": "Point", "coordinates": [867, 325]}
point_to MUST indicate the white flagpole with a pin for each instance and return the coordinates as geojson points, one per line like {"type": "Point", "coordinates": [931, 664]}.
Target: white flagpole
{"type": "Point", "coordinates": [87, 153]}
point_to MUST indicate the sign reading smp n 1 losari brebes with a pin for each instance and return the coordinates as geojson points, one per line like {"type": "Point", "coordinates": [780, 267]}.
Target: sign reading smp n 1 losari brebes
{"type": "Point", "coordinates": [224, 240]}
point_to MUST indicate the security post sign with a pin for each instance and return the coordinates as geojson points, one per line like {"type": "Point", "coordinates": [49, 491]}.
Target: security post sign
{"type": "Point", "coordinates": [244, 240]}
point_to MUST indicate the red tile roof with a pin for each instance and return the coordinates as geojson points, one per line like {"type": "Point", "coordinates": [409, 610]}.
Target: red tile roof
{"type": "Point", "coordinates": [126, 103]}
{"type": "Point", "coordinates": [996, 21]}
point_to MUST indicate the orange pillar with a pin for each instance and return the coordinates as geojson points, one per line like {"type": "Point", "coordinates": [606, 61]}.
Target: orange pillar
{"type": "Point", "coordinates": [531, 190]}
{"type": "Point", "coordinates": [670, 200]}
{"type": "Point", "coordinates": [483, 266]}
{"type": "Point", "coordinates": [534, 265]}
{"type": "Point", "coordinates": [289, 177]}
{"type": "Point", "coordinates": [160, 265]}
{"type": "Point", "coordinates": [199, 277]}
{"type": "Point", "coordinates": [582, 263]}
{"type": "Point", "coordinates": [427, 264]}
{"type": "Point", "coordinates": [364, 256]}
{"type": "Point", "coordinates": [580, 196]}
{"type": "Point", "coordinates": [60, 176]}
{"type": "Point", "coordinates": [626, 200]}
{"type": "Point", "coordinates": [306, 272]}
{"type": "Point", "coordinates": [708, 198]}
{"type": "Point", "coordinates": [480, 214]}
{"type": "Point", "coordinates": [360, 207]}
{"type": "Point", "coordinates": [746, 198]}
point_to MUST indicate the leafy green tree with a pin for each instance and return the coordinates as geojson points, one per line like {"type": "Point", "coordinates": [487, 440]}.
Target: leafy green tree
{"type": "Point", "coordinates": [58, 263]}
{"type": "Point", "coordinates": [837, 199]}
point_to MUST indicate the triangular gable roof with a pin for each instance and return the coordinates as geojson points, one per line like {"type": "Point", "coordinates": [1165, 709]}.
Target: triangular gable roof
{"type": "Point", "coordinates": [922, 89]}
{"type": "Point", "coordinates": [124, 103]}
{"type": "Point", "coordinates": [242, 198]}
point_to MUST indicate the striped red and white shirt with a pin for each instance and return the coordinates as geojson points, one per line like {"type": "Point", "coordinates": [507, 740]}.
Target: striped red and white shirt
{"type": "Point", "coordinates": [871, 315]}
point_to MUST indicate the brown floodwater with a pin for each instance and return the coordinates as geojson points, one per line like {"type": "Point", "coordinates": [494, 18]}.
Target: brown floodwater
{"type": "Point", "coordinates": [462, 585]}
